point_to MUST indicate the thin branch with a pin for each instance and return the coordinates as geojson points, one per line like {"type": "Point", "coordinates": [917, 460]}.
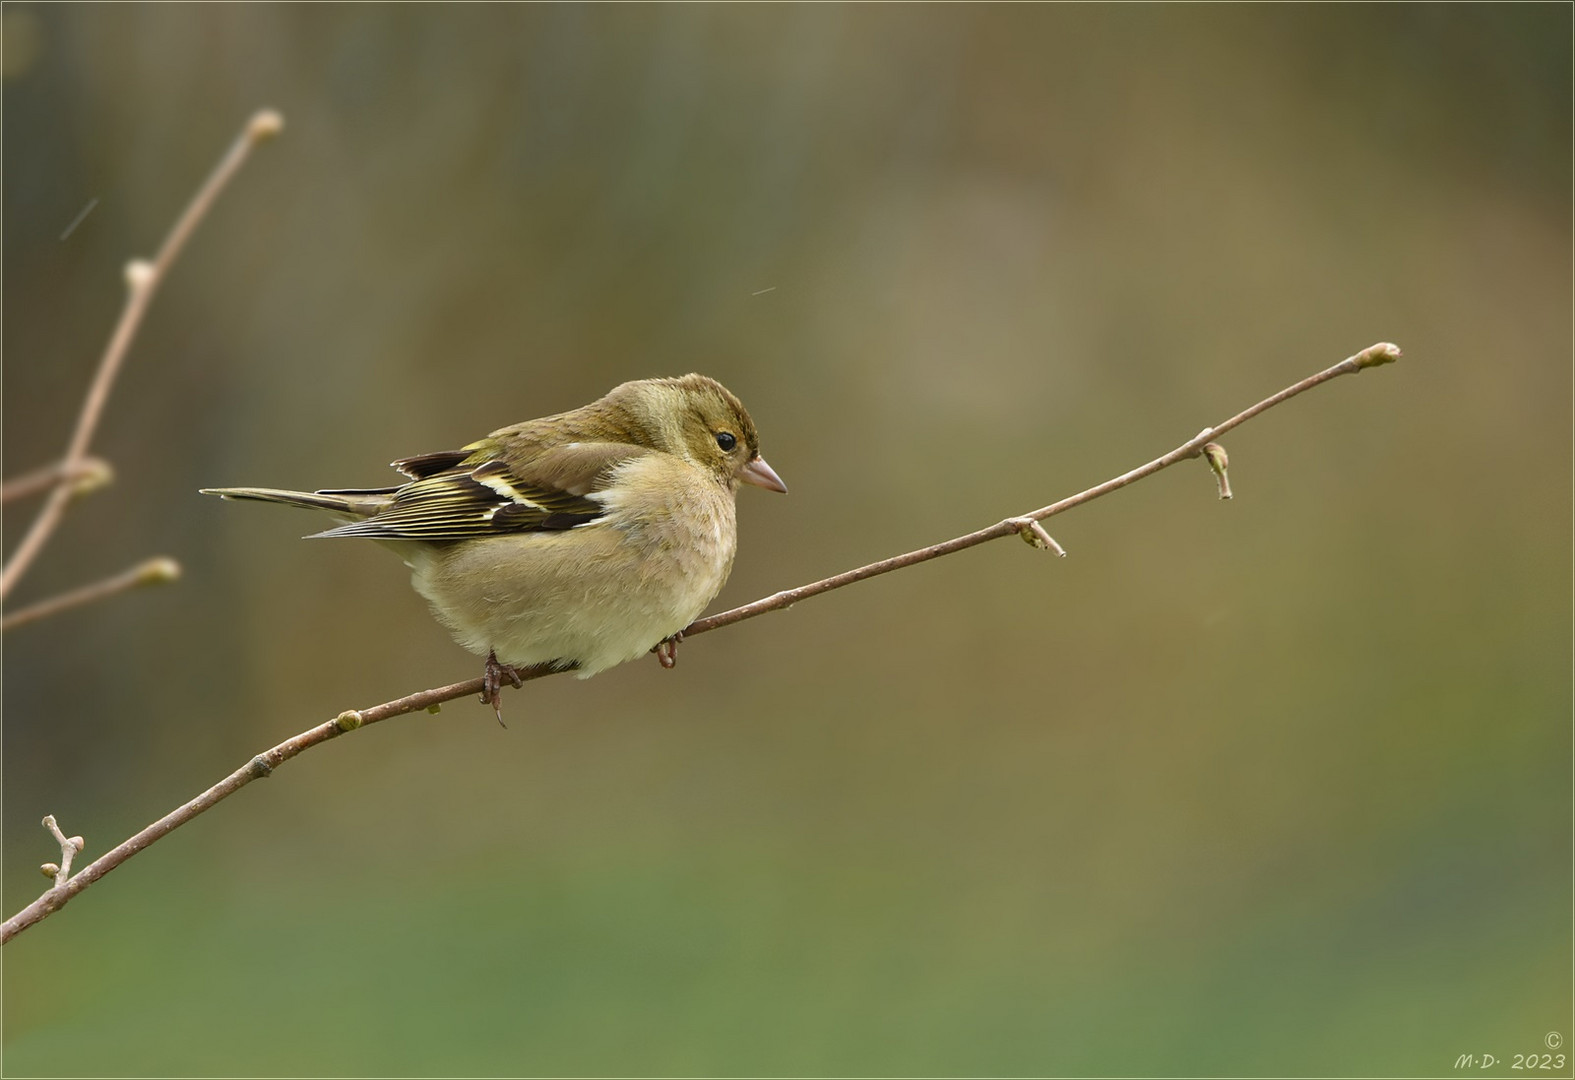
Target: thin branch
{"type": "Point", "coordinates": [90, 474]}
{"type": "Point", "coordinates": [1372, 356]}
{"type": "Point", "coordinates": [257, 768]}
{"type": "Point", "coordinates": [70, 848]}
{"type": "Point", "coordinates": [142, 282]}
{"type": "Point", "coordinates": [264, 764]}
{"type": "Point", "coordinates": [151, 572]}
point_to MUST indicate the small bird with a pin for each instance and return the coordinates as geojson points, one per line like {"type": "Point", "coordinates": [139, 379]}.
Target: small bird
{"type": "Point", "coordinates": [578, 540]}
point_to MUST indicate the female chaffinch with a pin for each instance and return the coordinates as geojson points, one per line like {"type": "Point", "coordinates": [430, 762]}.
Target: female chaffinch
{"type": "Point", "coordinates": [581, 540]}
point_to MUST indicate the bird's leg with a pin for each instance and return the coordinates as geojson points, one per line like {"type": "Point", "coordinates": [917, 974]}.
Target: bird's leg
{"type": "Point", "coordinates": [666, 650]}
{"type": "Point", "coordinates": [492, 677]}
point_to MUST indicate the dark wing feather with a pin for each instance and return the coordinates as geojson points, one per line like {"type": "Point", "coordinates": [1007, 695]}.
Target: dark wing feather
{"type": "Point", "coordinates": [424, 465]}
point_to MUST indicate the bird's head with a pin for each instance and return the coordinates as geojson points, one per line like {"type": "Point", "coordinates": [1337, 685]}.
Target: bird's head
{"type": "Point", "coordinates": [700, 420]}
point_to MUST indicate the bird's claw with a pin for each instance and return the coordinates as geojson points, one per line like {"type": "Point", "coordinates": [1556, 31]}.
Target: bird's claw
{"type": "Point", "coordinates": [666, 650]}
{"type": "Point", "coordinates": [492, 677]}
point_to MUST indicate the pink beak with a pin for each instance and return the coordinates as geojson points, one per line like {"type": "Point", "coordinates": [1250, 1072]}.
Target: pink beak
{"type": "Point", "coordinates": [757, 472]}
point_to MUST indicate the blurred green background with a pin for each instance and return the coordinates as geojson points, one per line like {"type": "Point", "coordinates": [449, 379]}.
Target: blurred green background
{"type": "Point", "coordinates": [1277, 786]}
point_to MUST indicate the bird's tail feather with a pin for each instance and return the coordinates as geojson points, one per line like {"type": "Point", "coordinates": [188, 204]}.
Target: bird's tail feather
{"type": "Point", "coordinates": [345, 504]}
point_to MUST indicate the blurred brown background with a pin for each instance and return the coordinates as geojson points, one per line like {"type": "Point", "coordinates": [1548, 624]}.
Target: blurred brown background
{"type": "Point", "coordinates": [1277, 786]}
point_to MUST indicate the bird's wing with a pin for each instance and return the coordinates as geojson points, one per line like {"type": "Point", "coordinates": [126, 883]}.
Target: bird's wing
{"type": "Point", "coordinates": [487, 491]}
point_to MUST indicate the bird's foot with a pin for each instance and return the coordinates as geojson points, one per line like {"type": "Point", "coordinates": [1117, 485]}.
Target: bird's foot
{"type": "Point", "coordinates": [492, 678]}
{"type": "Point", "coordinates": [666, 650]}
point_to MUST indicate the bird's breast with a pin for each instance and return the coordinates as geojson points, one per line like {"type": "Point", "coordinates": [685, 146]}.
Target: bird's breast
{"type": "Point", "coordinates": [680, 519]}
{"type": "Point", "coordinates": [597, 594]}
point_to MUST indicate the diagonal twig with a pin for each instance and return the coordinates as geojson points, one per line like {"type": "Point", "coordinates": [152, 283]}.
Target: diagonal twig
{"type": "Point", "coordinates": [1026, 525]}
{"type": "Point", "coordinates": [1372, 356]}
{"type": "Point", "coordinates": [142, 282]}
{"type": "Point", "coordinates": [149, 572]}
{"type": "Point", "coordinates": [90, 474]}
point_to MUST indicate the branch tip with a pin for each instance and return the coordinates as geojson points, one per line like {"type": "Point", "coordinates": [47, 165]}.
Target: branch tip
{"type": "Point", "coordinates": [264, 124]}
{"type": "Point", "coordinates": [88, 475]}
{"type": "Point", "coordinates": [1384, 352]}
{"type": "Point", "coordinates": [92, 474]}
{"type": "Point", "coordinates": [1035, 536]}
{"type": "Point", "coordinates": [158, 571]}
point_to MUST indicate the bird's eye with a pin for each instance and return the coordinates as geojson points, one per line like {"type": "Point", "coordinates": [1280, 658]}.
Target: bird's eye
{"type": "Point", "coordinates": [726, 441]}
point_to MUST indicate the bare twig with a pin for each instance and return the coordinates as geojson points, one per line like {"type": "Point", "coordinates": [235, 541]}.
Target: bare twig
{"type": "Point", "coordinates": [256, 769]}
{"type": "Point", "coordinates": [70, 848]}
{"type": "Point", "coordinates": [1036, 536]}
{"type": "Point", "coordinates": [90, 474]}
{"type": "Point", "coordinates": [263, 764]}
{"type": "Point", "coordinates": [142, 282]}
{"type": "Point", "coordinates": [1372, 356]}
{"type": "Point", "coordinates": [150, 572]}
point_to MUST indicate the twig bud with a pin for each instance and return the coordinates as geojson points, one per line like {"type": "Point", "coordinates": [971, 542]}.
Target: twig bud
{"type": "Point", "coordinates": [139, 274]}
{"type": "Point", "coordinates": [348, 720]}
{"type": "Point", "coordinates": [1219, 461]}
{"type": "Point", "coordinates": [434, 708]}
{"type": "Point", "coordinates": [264, 124]}
{"type": "Point", "coordinates": [158, 571]}
{"type": "Point", "coordinates": [1383, 353]}
{"type": "Point", "coordinates": [78, 843]}
{"type": "Point", "coordinates": [49, 870]}
{"type": "Point", "coordinates": [93, 474]}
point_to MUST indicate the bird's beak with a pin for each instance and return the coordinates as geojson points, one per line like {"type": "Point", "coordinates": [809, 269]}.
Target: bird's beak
{"type": "Point", "coordinates": [757, 472]}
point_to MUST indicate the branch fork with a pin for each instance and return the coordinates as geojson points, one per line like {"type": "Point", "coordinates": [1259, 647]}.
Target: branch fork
{"type": "Point", "coordinates": [1034, 534]}
{"type": "Point", "coordinates": [65, 480]}
{"type": "Point", "coordinates": [70, 848]}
